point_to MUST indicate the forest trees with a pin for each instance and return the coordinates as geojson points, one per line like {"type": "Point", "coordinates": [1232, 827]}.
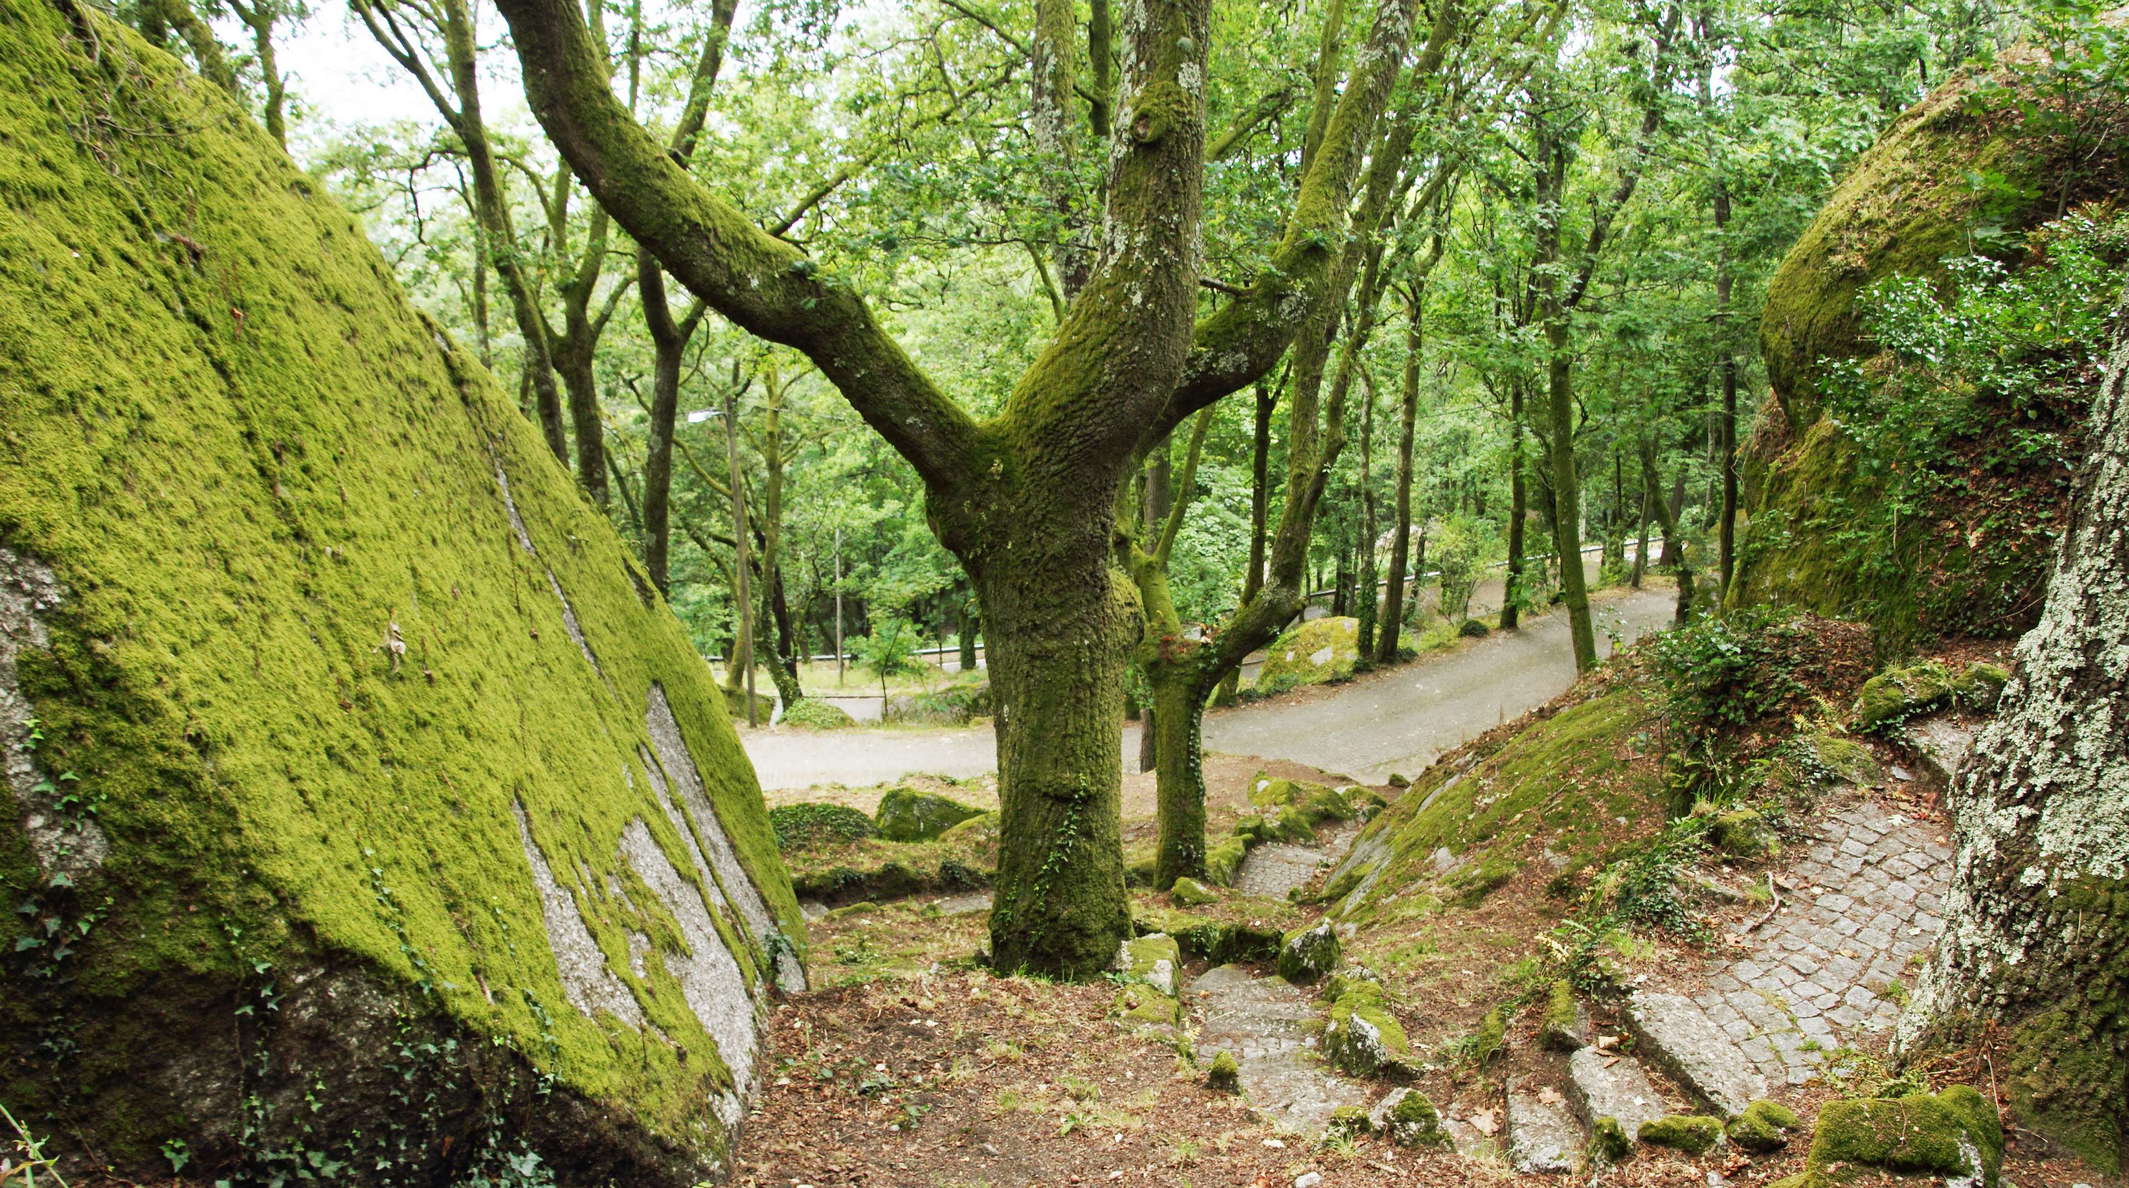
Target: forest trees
{"type": "Point", "coordinates": [1026, 499]}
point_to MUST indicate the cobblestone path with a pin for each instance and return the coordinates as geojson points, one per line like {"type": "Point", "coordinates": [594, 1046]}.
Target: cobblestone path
{"type": "Point", "coordinates": [1859, 913]}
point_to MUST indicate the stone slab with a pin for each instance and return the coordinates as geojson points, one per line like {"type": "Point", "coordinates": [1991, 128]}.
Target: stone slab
{"type": "Point", "coordinates": [1678, 1038]}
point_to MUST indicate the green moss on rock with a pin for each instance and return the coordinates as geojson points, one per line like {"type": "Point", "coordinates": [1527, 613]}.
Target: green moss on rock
{"type": "Point", "coordinates": [1225, 1075]}
{"type": "Point", "coordinates": [1953, 1133]}
{"type": "Point", "coordinates": [1695, 1134]}
{"type": "Point", "coordinates": [1306, 954]}
{"type": "Point", "coordinates": [907, 815]}
{"type": "Point", "coordinates": [1410, 1119]}
{"type": "Point", "coordinates": [1561, 1028]}
{"type": "Point", "coordinates": [1608, 1140]}
{"type": "Point", "coordinates": [1742, 833]}
{"type": "Point", "coordinates": [1361, 1036]}
{"type": "Point", "coordinates": [1188, 892]}
{"type": "Point", "coordinates": [1901, 692]}
{"type": "Point", "coordinates": [1763, 1126]}
{"type": "Point", "coordinates": [807, 824]}
{"type": "Point", "coordinates": [814, 714]}
{"type": "Point", "coordinates": [377, 717]}
{"type": "Point", "coordinates": [1314, 653]}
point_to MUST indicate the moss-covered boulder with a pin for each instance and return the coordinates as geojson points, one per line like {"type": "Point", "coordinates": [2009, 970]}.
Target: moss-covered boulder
{"type": "Point", "coordinates": [1764, 1126]}
{"type": "Point", "coordinates": [1742, 833]}
{"type": "Point", "coordinates": [1905, 690]}
{"type": "Point", "coordinates": [907, 815]}
{"type": "Point", "coordinates": [380, 773]}
{"type": "Point", "coordinates": [808, 824]}
{"type": "Point", "coordinates": [814, 714]}
{"type": "Point", "coordinates": [1309, 953]}
{"type": "Point", "coordinates": [1960, 168]}
{"type": "Point", "coordinates": [1409, 1118]}
{"type": "Point", "coordinates": [1361, 1036]}
{"type": "Point", "coordinates": [1695, 1134]}
{"type": "Point", "coordinates": [1564, 1024]}
{"type": "Point", "coordinates": [1225, 1073]}
{"type": "Point", "coordinates": [1955, 1133]}
{"type": "Point", "coordinates": [954, 705]}
{"type": "Point", "coordinates": [1188, 892]}
{"type": "Point", "coordinates": [1313, 653]}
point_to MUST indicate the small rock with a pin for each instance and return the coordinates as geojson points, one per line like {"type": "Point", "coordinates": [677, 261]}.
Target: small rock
{"type": "Point", "coordinates": [1308, 1179]}
{"type": "Point", "coordinates": [1309, 953]}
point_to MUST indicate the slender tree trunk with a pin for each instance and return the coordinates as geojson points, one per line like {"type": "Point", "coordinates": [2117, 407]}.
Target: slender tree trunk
{"type": "Point", "coordinates": [573, 359]}
{"type": "Point", "coordinates": [967, 633]}
{"type": "Point", "coordinates": [1556, 313]}
{"type": "Point", "coordinates": [668, 348]}
{"type": "Point", "coordinates": [1674, 550]}
{"type": "Point", "coordinates": [1259, 514]}
{"type": "Point", "coordinates": [740, 672]}
{"type": "Point", "coordinates": [1518, 511]}
{"type": "Point", "coordinates": [1393, 596]}
{"type": "Point", "coordinates": [1369, 599]}
{"type": "Point", "coordinates": [1159, 483]}
{"type": "Point", "coordinates": [1641, 519]}
{"type": "Point", "coordinates": [2034, 956]}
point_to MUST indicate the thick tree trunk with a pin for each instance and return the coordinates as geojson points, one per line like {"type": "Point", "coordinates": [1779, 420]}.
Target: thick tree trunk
{"type": "Point", "coordinates": [2036, 939]}
{"type": "Point", "coordinates": [1060, 620]}
{"type": "Point", "coordinates": [1518, 511]}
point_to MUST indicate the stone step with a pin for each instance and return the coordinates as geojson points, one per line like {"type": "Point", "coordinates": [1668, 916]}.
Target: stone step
{"type": "Point", "coordinates": [1601, 1086]}
{"type": "Point", "coordinates": [1677, 1037]}
{"type": "Point", "coordinates": [1542, 1135]}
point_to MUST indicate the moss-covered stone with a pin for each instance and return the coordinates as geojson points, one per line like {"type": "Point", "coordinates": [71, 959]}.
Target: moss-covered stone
{"type": "Point", "coordinates": [1314, 653]}
{"type": "Point", "coordinates": [1901, 692]}
{"type": "Point", "coordinates": [1980, 685]}
{"type": "Point", "coordinates": [907, 815]}
{"type": "Point", "coordinates": [1225, 1074]}
{"type": "Point", "coordinates": [808, 823]}
{"type": "Point", "coordinates": [1742, 833]}
{"type": "Point", "coordinates": [406, 785]}
{"type": "Point", "coordinates": [1492, 1034]}
{"type": "Point", "coordinates": [1473, 629]}
{"type": "Point", "coordinates": [1349, 1122]}
{"type": "Point", "coordinates": [1141, 1005]}
{"type": "Point", "coordinates": [1223, 858]}
{"type": "Point", "coordinates": [814, 714]}
{"type": "Point", "coordinates": [955, 705]}
{"type": "Point", "coordinates": [1154, 959]}
{"type": "Point", "coordinates": [1306, 954]}
{"type": "Point", "coordinates": [1763, 1126]}
{"type": "Point", "coordinates": [1188, 892]}
{"type": "Point", "coordinates": [1695, 1134]}
{"type": "Point", "coordinates": [1845, 759]}
{"type": "Point", "coordinates": [1952, 1133]}
{"type": "Point", "coordinates": [1361, 1037]}
{"type": "Point", "coordinates": [1608, 1140]}
{"type": "Point", "coordinates": [1222, 941]}
{"type": "Point", "coordinates": [1561, 1029]}
{"type": "Point", "coordinates": [1410, 1119]}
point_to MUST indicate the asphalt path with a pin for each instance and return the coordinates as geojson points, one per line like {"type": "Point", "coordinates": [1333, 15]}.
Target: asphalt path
{"type": "Point", "coordinates": [1395, 720]}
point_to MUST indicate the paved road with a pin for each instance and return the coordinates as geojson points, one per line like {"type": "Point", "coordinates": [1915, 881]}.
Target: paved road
{"type": "Point", "coordinates": [1395, 720]}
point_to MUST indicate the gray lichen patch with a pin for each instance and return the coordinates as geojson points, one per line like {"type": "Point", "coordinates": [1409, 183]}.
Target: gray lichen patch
{"type": "Point", "coordinates": [62, 844]}
{"type": "Point", "coordinates": [710, 979]}
{"type": "Point", "coordinates": [675, 772]}
{"type": "Point", "coordinates": [586, 981]}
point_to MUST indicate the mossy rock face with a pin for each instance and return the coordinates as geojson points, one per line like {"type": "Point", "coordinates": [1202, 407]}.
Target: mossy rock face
{"type": "Point", "coordinates": [1846, 759]}
{"type": "Point", "coordinates": [1905, 206]}
{"type": "Point", "coordinates": [1955, 1133]}
{"type": "Point", "coordinates": [907, 815]}
{"type": "Point", "coordinates": [1314, 653]}
{"type": "Point", "coordinates": [1223, 858]}
{"type": "Point", "coordinates": [1764, 1126]}
{"type": "Point", "coordinates": [1695, 1134]}
{"type": "Point", "coordinates": [397, 780]}
{"type": "Point", "coordinates": [818, 715]}
{"type": "Point", "coordinates": [1473, 629]}
{"type": "Point", "coordinates": [1153, 959]}
{"type": "Point", "coordinates": [807, 824]}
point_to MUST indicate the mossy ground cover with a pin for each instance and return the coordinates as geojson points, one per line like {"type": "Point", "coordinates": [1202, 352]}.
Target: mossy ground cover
{"type": "Point", "coordinates": [313, 657]}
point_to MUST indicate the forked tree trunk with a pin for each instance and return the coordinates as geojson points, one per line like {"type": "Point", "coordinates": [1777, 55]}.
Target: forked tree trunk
{"type": "Point", "coordinates": [2036, 937]}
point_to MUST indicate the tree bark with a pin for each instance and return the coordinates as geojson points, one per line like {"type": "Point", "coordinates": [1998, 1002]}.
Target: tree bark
{"type": "Point", "coordinates": [1393, 596]}
{"type": "Point", "coordinates": [1674, 550]}
{"type": "Point", "coordinates": [2036, 939]}
{"type": "Point", "coordinates": [1518, 511]}
{"type": "Point", "coordinates": [1369, 600]}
